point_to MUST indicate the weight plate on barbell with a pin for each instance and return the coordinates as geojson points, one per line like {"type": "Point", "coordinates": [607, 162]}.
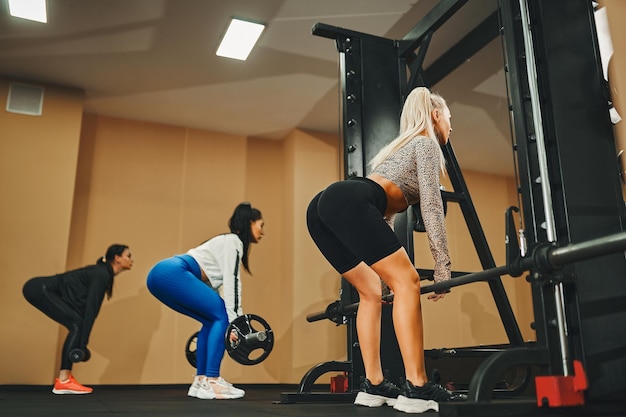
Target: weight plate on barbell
{"type": "Point", "coordinates": [255, 341]}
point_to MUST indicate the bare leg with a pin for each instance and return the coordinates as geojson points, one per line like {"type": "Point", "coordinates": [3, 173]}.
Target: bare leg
{"type": "Point", "coordinates": [400, 274]}
{"type": "Point", "coordinates": [64, 375]}
{"type": "Point", "coordinates": [367, 283]}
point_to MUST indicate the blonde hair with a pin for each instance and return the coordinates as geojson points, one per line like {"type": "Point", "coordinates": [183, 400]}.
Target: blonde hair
{"type": "Point", "coordinates": [416, 119]}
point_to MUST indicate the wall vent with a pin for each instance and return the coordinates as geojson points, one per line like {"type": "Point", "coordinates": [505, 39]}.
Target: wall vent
{"type": "Point", "coordinates": [25, 99]}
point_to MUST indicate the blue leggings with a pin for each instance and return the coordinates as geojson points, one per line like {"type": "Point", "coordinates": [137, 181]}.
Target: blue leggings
{"type": "Point", "coordinates": [176, 282]}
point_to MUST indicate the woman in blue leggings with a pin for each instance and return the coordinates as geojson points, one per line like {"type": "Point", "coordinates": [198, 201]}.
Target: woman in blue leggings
{"type": "Point", "coordinates": [188, 284]}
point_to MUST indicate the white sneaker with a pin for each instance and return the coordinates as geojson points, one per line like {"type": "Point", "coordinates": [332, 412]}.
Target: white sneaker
{"type": "Point", "coordinates": [224, 390]}
{"type": "Point", "coordinates": [415, 405]}
{"type": "Point", "coordinates": [195, 386]}
{"type": "Point", "coordinates": [239, 390]}
{"type": "Point", "coordinates": [205, 392]}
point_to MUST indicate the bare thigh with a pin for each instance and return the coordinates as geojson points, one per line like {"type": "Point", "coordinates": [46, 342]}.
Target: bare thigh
{"type": "Point", "coordinates": [398, 272]}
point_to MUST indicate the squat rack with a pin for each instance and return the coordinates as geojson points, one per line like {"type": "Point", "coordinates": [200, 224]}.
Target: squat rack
{"type": "Point", "coordinates": [552, 123]}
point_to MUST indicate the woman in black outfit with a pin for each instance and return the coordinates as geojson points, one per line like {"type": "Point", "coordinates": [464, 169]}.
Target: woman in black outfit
{"type": "Point", "coordinates": [73, 299]}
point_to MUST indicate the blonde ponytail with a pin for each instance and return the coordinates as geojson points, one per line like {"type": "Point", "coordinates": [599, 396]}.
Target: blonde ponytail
{"type": "Point", "coordinates": [415, 120]}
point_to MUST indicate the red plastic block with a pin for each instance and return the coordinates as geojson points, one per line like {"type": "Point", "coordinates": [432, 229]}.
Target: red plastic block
{"type": "Point", "coordinates": [562, 391]}
{"type": "Point", "coordinates": [339, 383]}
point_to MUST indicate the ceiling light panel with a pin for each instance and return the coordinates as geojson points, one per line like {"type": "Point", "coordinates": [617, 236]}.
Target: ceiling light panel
{"type": "Point", "coordinates": [239, 39]}
{"type": "Point", "coordinates": [29, 9]}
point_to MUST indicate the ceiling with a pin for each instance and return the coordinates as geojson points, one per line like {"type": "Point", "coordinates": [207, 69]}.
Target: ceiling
{"type": "Point", "coordinates": [154, 60]}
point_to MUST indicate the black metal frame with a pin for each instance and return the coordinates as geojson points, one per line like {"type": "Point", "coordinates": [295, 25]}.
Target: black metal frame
{"type": "Point", "coordinates": [573, 100]}
{"type": "Point", "coordinates": [376, 74]}
{"type": "Point", "coordinates": [583, 173]}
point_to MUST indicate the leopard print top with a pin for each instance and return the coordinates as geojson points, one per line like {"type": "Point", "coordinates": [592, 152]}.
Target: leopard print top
{"type": "Point", "coordinates": [415, 168]}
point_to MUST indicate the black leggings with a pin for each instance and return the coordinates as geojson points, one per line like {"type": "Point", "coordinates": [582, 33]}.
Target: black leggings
{"type": "Point", "coordinates": [42, 293]}
{"type": "Point", "coordinates": [347, 223]}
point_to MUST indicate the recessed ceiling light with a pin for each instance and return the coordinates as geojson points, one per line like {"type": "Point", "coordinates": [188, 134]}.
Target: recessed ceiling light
{"type": "Point", "coordinates": [29, 9]}
{"type": "Point", "coordinates": [240, 38]}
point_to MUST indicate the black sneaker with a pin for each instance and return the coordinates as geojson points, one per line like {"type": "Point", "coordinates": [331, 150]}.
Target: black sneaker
{"type": "Point", "coordinates": [377, 395]}
{"type": "Point", "coordinates": [419, 399]}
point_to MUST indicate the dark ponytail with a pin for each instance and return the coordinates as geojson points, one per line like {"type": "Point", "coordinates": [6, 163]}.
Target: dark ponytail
{"type": "Point", "coordinates": [108, 258]}
{"type": "Point", "coordinates": [240, 224]}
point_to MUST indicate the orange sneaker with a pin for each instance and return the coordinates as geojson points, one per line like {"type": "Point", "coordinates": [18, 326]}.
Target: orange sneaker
{"type": "Point", "coordinates": [71, 386]}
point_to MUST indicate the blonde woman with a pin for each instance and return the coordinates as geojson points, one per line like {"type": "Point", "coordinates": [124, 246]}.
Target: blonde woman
{"type": "Point", "coordinates": [350, 223]}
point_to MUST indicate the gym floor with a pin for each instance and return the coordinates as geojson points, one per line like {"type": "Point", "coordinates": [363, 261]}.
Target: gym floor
{"type": "Point", "coordinates": [260, 401]}
{"type": "Point", "coordinates": [170, 401]}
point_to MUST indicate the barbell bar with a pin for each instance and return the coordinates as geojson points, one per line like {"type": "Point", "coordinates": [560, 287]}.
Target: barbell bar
{"type": "Point", "coordinates": [545, 258]}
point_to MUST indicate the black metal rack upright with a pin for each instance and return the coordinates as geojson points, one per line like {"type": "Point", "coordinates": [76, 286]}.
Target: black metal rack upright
{"type": "Point", "coordinates": [569, 183]}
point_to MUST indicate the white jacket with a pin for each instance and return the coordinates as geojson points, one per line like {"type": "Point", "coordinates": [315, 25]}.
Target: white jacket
{"type": "Point", "coordinates": [220, 259]}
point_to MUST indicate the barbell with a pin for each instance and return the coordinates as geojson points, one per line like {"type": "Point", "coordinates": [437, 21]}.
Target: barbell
{"type": "Point", "coordinates": [254, 342]}
{"type": "Point", "coordinates": [544, 259]}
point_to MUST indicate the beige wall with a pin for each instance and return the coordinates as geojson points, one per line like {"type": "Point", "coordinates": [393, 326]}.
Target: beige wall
{"type": "Point", "coordinates": [469, 312]}
{"type": "Point", "coordinates": [162, 189]}
{"type": "Point", "coordinates": [616, 11]}
{"type": "Point", "coordinates": [312, 163]}
{"type": "Point", "coordinates": [38, 157]}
